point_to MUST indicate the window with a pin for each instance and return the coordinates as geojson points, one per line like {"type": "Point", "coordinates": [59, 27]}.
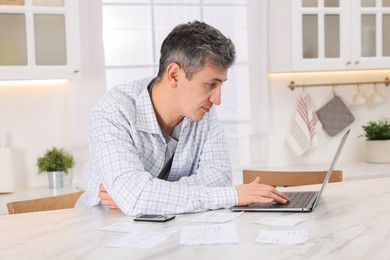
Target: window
{"type": "Point", "coordinates": [133, 31]}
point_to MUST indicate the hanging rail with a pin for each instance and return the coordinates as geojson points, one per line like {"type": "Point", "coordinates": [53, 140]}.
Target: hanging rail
{"type": "Point", "coordinates": [292, 84]}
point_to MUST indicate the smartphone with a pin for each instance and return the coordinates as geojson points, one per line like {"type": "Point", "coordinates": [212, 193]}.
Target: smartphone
{"type": "Point", "coordinates": [153, 218]}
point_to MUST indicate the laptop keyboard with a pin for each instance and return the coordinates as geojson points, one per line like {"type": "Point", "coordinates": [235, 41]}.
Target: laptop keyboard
{"type": "Point", "coordinates": [297, 200]}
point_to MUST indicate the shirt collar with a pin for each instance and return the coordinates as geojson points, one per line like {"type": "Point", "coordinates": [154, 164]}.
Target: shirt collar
{"type": "Point", "coordinates": [146, 118]}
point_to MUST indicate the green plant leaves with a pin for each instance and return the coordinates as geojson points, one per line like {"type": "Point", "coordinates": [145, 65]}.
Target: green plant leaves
{"type": "Point", "coordinates": [55, 160]}
{"type": "Point", "coordinates": [377, 130]}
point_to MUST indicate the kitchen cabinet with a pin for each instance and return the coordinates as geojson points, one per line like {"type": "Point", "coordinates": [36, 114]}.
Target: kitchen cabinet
{"type": "Point", "coordinates": [39, 39]}
{"type": "Point", "coordinates": [320, 35]}
{"type": "Point", "coordinates": [340, 34]}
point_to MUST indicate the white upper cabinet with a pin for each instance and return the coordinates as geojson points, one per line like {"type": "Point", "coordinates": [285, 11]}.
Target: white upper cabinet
{"type": "Point", "coordinates": [332, 35]}
{"type": "Point", "coordinates": [39, 39]}
{"type": "Point", "coordinates": [321, 34]}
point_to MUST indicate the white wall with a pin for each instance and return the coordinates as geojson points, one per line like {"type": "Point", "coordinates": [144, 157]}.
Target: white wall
{"type": "Point", "coordinates": [33, 119]}
{"type": "Point", "coordinates": [90, 86]}
{"type": "Point", "coordinates": [39, 117]}
{"type": "Point", "coordinates": [283, 104]}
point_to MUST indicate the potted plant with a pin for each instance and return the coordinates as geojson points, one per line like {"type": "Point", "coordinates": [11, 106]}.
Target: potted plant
{"type": "Point", "coordinates": [377, 135]}
{"type": "Point", "coordinates": [56, 163]}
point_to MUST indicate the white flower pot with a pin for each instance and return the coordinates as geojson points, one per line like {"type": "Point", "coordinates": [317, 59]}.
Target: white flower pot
{"type": "Point", "coordinates": [56, 180]}
{"type": "Point", "coordinates": [378, 151]}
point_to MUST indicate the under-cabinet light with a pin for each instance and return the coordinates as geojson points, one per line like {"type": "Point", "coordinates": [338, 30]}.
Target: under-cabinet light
{"type": "Point", "coordinates": [41, 82]}
{"type": "Point", "coordinates": [324, 73]}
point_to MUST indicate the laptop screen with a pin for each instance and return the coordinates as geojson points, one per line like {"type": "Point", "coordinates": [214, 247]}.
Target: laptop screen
{"type": "Point", "coordinates": [331, 168]}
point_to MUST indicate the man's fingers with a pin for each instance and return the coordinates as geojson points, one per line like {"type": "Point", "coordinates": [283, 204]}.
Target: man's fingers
{"type": "Point", "coordinates": [283, 195]}
{"type": "Point", "coordinates": [280, 195]}
{"type": "Point", "coordinates": [272, 196]}
{"type": "Point", "coordinates": [104, 195]}
{"type": "Point", "coordinates": [257, 180]}
{"type": "Point", "coordinates": [256, 192]}
{"type": "Point", "coordinates": [105, 198]}
{"type": "Point", "coordinates": [102, 188]}
{"type": "Point", "coordinates": [273, 192]}
{"type": "Point", "coordinates": [110, 204]}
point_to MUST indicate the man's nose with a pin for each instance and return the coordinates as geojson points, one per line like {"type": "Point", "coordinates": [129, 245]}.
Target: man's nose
{"type": "Point", "coordinates": [216, 96]}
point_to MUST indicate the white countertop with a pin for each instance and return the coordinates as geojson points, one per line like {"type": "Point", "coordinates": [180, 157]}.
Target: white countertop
{"type": "Point", "coordinates": [350, 222]}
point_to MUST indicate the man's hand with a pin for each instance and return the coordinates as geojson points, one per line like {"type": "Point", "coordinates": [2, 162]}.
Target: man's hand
{"type": "Point", "coordinates": [255, 192]}
{"type": "Point", "coordinates": [106, 199]}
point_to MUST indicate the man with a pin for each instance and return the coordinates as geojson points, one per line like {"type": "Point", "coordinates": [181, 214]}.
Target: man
{"type": "Point", "coordinates": [156, 145]}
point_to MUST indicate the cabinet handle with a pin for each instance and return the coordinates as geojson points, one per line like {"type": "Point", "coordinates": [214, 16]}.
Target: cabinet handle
{"type": "Point", "coordinates": [357, 62]}
{"type": "Point", "coordinates": [348, 63]}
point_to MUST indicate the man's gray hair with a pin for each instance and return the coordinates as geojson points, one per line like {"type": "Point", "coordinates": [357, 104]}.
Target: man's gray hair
{"type": "Point", "coordinates": [193, 44]}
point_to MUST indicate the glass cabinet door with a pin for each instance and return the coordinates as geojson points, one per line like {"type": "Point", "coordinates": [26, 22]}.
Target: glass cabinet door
{"type": "Point", "coordinates": [332, 35]}
{"type": "Point", "coordinates": [373, 34]}
{"type": "Point", "coordinates": [318, 34]}
{"type": "Point", "coordinates": [386, 35]}
{"type": "Point", "coordinates": [310, 36]}
{"type": "Point", "coordinates": [50, 39]}
{"type": "Point", "coordinates": [368, 35]}
{"type": "Point", "coordinates": [13, 39]}
{"type": "Point", "coordinates": [320, 30]}
{"type": "Point", "coordinates": [57, 3]}
{"type": "Point", "coordinates": [12, 2]}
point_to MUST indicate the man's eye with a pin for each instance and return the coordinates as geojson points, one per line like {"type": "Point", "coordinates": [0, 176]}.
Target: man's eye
{"type": "Point", "coordinates": [213, 85]}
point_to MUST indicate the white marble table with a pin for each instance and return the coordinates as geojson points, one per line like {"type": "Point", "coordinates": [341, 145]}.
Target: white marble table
{"type": "Point", "coordinates": [352, 221]}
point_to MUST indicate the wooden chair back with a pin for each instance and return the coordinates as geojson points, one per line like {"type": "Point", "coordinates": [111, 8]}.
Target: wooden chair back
{"type": "Point", "coordinates": [50, 203]}
{"type": "Point", "coordinates": [290, 178]}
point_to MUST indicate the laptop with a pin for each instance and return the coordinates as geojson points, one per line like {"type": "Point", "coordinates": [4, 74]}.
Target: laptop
{"type": "Point", "coordinates": [300, 201]}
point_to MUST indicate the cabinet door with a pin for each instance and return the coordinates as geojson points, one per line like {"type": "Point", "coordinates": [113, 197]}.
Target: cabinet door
{"type": "Point", "coordinates": [371, 42]}
{"type": "Point", "coordinates": [39, 39]}
{"type": "Point", "coordinates": [320, 34]}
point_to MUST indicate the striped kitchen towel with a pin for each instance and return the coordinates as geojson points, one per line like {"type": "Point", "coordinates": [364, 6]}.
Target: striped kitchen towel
{"type": "Point", "coordinates": [302, 135]}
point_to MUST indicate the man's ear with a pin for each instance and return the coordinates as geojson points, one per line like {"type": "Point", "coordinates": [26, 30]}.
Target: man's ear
{"type": "Point", "coordinates": [173, 73]}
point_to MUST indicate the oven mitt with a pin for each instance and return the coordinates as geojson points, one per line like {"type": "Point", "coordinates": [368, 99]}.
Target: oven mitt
{"type": "Point", "coordinates": [335, 116]}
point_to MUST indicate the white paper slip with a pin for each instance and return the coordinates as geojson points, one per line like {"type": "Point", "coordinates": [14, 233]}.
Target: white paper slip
{"type": "Point", "coordinates": [290, 237]}
{"type": "Point", "coordinates": [145, 239]}
{"type": "Point", "coordinates": [126, 227]}
{"type": "Point", "coordinates": [280, 222]}
{"type": "Point", "coordinates": [217, 217]}
{"type": "Point", "coordinates": [208, 235]}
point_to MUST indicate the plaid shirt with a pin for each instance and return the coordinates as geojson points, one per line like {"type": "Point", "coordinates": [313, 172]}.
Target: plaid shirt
{"type": "Point", "coordinates": [127, 151]}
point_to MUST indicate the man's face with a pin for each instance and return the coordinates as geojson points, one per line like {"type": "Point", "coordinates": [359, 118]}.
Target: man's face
{"type": "Point", "coordinates": [198, 95]}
